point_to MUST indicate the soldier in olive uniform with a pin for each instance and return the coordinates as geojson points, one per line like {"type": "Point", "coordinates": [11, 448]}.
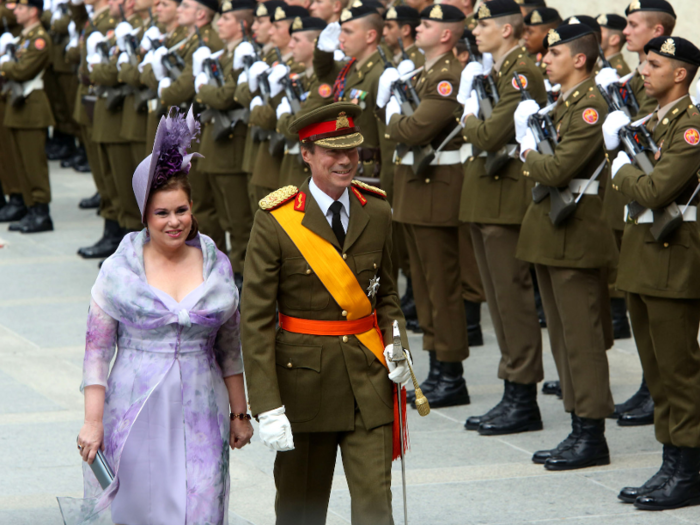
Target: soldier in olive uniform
{"type": "Point", "coordinates": [538, 22]}
{"type": "Point", "coordinates": [315, 388]}
{"type": "Point", "coordinates": [612, 41]}
{"type": "Point", "coordinates": [659, 268]}
{"type": "Point", "coordinates": [494, 199]}
{"type": "Point", "coordinates": [528, 6]}
{"type": "Point", "coordinates": [569, 253]}
{"type": "Point", "coordinates": [401, 22]}
{"type": "Point", "coordinates": [28, 115]}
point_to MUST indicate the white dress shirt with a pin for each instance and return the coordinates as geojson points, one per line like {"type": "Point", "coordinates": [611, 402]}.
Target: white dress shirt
{"type": "Point", "coordinates": [324, 202]}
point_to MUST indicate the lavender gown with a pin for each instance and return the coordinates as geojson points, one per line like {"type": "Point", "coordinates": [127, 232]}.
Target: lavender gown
{"type": "Point", "coordinates": [166, 408]}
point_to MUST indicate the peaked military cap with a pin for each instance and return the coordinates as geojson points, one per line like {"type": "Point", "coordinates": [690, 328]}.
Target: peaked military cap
{"type": "Point", "coordinates": [307, 23]}
{"type": "Point", "coordinates": [237, 5]}
{"type": "Point", "coordinates": [585, 20]}
{"type": "Point", "coordinates": [442, 13]}
{"type": "Point", "coordinates": [650, 5]}
{"type": "Point", "coordinates": [330, 126]}
{"type": "Point", "coordinates": [211, 4]}
{"type": "Point", "coordinates": [268, 8]}
{"type": "Point", "coordinates": [542, 16]}
{"type": "Point", "coordinates": [612, 21]}
{"type": "Point", "coordinates": [497, 9]}
{"type": "Point", "coordinates": [288, 12]}
{"type": "Point", "coordinates": [357, 12]}
{"type": "Point", "coordinates": [566, 33]}
{"type": "Point", "coordinates": [674, 47]}
{"type": "Point", "coordinates": [39, 4]}
{"type": "Point", "coordinates": [402, 13]}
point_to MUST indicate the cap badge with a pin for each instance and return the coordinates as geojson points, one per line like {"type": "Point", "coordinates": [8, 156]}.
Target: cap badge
{"type": "Point", "coordinates": [635, 5]}
{"type": "Point", "coordinates": [279, 13]}
{"type": "Point", "coordinates": [436, 13]}
{"type": "Point", "coordinates": [603, 20]}
{"type": "Point", "coordinates": [298, 24]}
{"type": "Point", "coordinates": [261, 11]}
{"type": "Point", "coordinates": [345, 15]}
{"type": "Point", "coordinates": [484, 12]}
{"type": "Point", "coordinates": [573, 20]}
{"type": "Point", "coordinates": [342, 121]}
{"type": "Point", "coordinates": [553, 37]}
{"type": "Point", "coordinates": [391, 14]}
{"type": "Point", "coordinates": [536, 17]}
{"type": "Point", "coordinates": [669, 47]}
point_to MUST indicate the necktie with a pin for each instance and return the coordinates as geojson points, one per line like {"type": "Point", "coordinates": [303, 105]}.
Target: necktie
{"type": "Point", "coordinates": [336, 225]}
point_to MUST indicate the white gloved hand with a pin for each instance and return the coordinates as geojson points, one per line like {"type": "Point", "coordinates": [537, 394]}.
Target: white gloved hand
{"type": "Point", "coordinates": [77, 2]}
{"type": "Point", "coordinates": [5, 40]}
{"type": "Point", "coordinates": [198, 57]}
{"type": "Point", "coordinates": [157, 63]}
{"type": "Point", "coordinates": [389, 76]}
{"type": "Point", "coordinates": [91, 44]}
{"type": "Point", "coordinates": [147, 59]}
{"type": "Point", "coordinates": [122, 29]}
{"type": "Point", "coordinates": [73, 36]}
{"type": "Point", "coordinates": [254, 72]}
{"type": "Point", "coordinates": [151, 34]}
{"type": "Point", "coordinates": [242, 78]}
{"type": "Point", "coordinates": [527, 142]}
{"type": "Point", "coordinates": [339, 56]}
{"type": "Point", "coordinates": [92, 60]}
{"type": "Point", "coordinates": [620, 161]}
{"type": "Point", "coordinates": [276, 430]}
{"type": "Point", "coordinates": [399, 372]}
{"type": "Point", "coordinates": [244, 49]}
{"type": "Point", "coordinates": [200, 80]}
{"type": "Point", "coordinates": [547, 85]}
{"type": "Point", "coordinates": [328, 40]}
{"type": "Point", "coordinates": [275, 78]}
{"type": "Point", "coordinates": [392, 108]}
{"type": "Point", "coordinates": [471, 106]}
{"type": "Point", "coordinates": [163, 84]}
{"type": "Point", "coordinates": [57, 15]}
{"type": "Point", "coordinates": [257, 101]}
{"type": "Point", "coordinates": [487, 62]}
{"type": "Point", "coordinates": [614, 122]}
{"type": "Point", "coordinates": [522, 115]}
{"type": "Point", "coordinates": [4, 58]}
{"type": "Point", "coordinates": [283, 108]}
{"type": "Point", "coordinates": [606, 76]}
{"type": "Point", "coordinates": [469, 73]}
{"type": "Point", "coordinates": [123, 59]}
{"type": "Point", "coordinates": [406, 66]}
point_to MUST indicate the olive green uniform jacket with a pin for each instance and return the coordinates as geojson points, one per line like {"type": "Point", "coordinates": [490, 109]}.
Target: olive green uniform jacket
{"type": "Point", "coordinates": [319, 379]}
{"type": "Point", "coordinates": [584, 239]}
{"type": "Point", "coordinates": [669, 269]}
{"type": "Point", "coordinates": [134, 122]}
{"type": "Point", "coordinates": [504, 197]}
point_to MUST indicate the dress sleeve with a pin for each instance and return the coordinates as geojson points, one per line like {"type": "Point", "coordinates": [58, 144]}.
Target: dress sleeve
{"type": "Point", "coordinates": [227, 347]}
{"type": "Point", "coordinates": [100, 344]}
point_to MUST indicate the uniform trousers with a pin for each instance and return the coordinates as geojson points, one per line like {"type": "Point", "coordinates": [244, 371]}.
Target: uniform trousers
{"type": "Point", "coordinates": [99, 166]}
{"type": "Point", "coordinates": [204, 206]}
{"type": "Point", "coordinates": [571, 298]}
{"type": "Point", "coordinates": [69, 88]}
{"type": "Point", "coordinates": [8, 170]}
{"type": "Point", "coordinates": [511, 302]}
{"type": "Point", "coordinates": [472, 287]}
{"type": "Point", "coordinates": [437, 289]}
{"type": "Point", "coordinates": [32, 166]}
{"type": "Point", "coordinates": [234, 189]}
{"type": "Point", "coordinates": [137, 155]}
{"type": "Point", "coordinates": [666, 334]}
{"type": "Point", "coordinates": [119, 167]}
{"type": "Point", "coordinates": [304, 476]}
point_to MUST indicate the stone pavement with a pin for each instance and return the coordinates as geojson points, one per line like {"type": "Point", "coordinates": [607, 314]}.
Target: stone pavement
{"type": "Point", "coordinates": [454, 476]}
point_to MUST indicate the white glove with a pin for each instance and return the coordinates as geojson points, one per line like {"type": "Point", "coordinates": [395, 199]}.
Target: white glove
{"type": "Point", "coordinates": [244, 49]}
{"type": "Point", "coordinates": [606, 76]}
{"type": "Point", "coordinates": [614, 122]}
{"type": "Point", "coordinates": [392, 108]}
{"type": "Point", "coordinates": [5, 40]}
{"type": "Point", "coordinates": [527, 141]}
{"type": "Point", "coordinates": [47, 5]}
{"type": "Point", "coordinates": [620, 161]}
{"type": "Point", "coordinates": [73, 33]}
{"type": "Point", "coordinates": [4, 58]}
{"type": "Point", "coordinates": [406, 66]}
{"type": "Point", "coordinates": [339, 56]}
{"type": "Point", "coordinates": [469, 73]}
{"type": "Point", "coordinates": [123, 59]}
{"type": "Point", "coordinates": [157, 63]}
{"type": "Point", "coordinates": [556, 88]}
{"type": "Point", "coordinates": [275, 78]}
{"type": "Point", "coordinates": [122, 29]}
{"type": "Point", "coordinates": [257, 101]}
{"type": "Point", "coordinates": [328, 40]}
{"type": "Point", "coordinates": [276, 430]}
{"type": "Point", "coordinates": [95, 38]}
{"type": "Point", "coordinates": [152, 33]}
{"type": "Point", "coordinates": [200, 80]}
{"type": "Point", "coordinates": [77, 2]}
{"type": "Point", "coordinates": [524, 111]}
{"type": "Point", "coordinates": [487, 62]}
{"type": "Point", "coordinates": [471, 106]}
{"type": "Point", "coordinates": [389, 76]}
{"type": "Point", "coordinates": [283, 108]}
{"type": "Point", "coordinates": [163, 84]}
{"type": "Point", "coordinates": [147, 59]}
{"type": "Point", "coordinates": [92, 60]}
{"type": "Point", "coordinates": [242, 78]}
{"type": "Point", "coordinates": [256, 69]}
{"type": "Point", "coordinates": [57, 15]}
{"type": "Point", "coordinates": [198, 57]}
{"type": "Point", "coordinates": [398, 373]}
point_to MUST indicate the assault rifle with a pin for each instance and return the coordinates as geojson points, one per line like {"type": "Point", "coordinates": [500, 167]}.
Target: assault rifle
{"type": "Point", "coordinates": [404, 55]}
{"type": "Point", "coordinates": [10, 87]}
{"type": "Point", "coordinates": [614, 91]}
{"type": "Point", "coordinates": [402, 88]}
{"type": "Point", "coordinates": [223, 121]}
{"type": "Point", "coordinates": [486, 101]}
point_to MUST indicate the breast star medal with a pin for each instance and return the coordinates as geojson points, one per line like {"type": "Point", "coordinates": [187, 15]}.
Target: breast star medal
{"type": "Point", "coordinates": [373, 286]}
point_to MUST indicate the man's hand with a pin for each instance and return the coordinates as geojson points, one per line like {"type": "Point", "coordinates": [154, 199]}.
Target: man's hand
{"type": "Point", "coordinates": [244, 49]}
{"type": "Point", "coordinates": [392, 108]}
{"type": "Point", "coordinates": [614, 122]}
{"type": "Point", "coordinates": [164, 84]}
{"type": "Point", "coordinates": [275, 78]}
{"type": "Point", "coordinates": [399, 372]}
{"type": "Point", "coordinates": [471, 107]}
{"type": "Point", "coordinates": [328, 40]}
{"type": "Point", "coordinates": [152, 34]}
{"type": "Point", "coordinates": [283, 108]}
{"type": "Point", "coordinates": [620, 161]}
{"type": "Point", "coordinates": [522, 115]}
{"type": "Point", "coordinates": [200, 80]}
{"type": "Point", "coordinates": [276, 430]}
{"type": "Point", "coordinates": [198, 58]}
{"type": "Point", "coordinates": [527, 142]}
{"type": "Point", "coordinates": [389, 76]}
{"type": "Point", "coordinates": [469, 73]}
{"type": "Point", "coordinates": [257, 101]}
{"type": "Point", "coordinates": [122, 29]}
{"type": "Point", "coordinates": [157, 63]}
{"type": "Point", "coordinates": [606, 76]}
{"type": "Point", "coordinates": [406, 66]}
{"type": "Point", "coordinates": [257, 69]}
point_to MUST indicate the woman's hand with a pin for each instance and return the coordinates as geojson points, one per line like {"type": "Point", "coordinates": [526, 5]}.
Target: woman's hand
{"type": "Point", "coordinates": [91, 438]}
{"type": "Point", "coordinates": [241, 432]}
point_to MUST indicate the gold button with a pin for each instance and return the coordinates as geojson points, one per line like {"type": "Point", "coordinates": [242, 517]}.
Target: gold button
{"type": "Point", "coordinates": [344, 313]}
{"type": "Point", "coordinates": [375, 266]}
{"type": "Point", "coordinates": [345, 339]}
{"type": "Point", "coordinates": [665, 245]}
{"type": "Point", "coordinates": [345, 256]}
{"type": "Point", "coordinates": [427, 181]}
{"type": "Point", "coordinates": [308, 272]}
{"type": "Point", "coordinates": [496, 177]}
{"type": "Point", "coordinates": [289, 365]}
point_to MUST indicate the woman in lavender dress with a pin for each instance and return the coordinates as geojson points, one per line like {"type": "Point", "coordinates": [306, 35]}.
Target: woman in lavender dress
{"type": "Point", "coordinates": [174, 400]}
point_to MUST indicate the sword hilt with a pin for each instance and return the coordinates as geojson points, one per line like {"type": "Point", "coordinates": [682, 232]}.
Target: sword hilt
{"type": "Point", "coordinates": [422, 404]}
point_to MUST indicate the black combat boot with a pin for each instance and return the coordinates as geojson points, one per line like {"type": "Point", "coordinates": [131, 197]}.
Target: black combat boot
{"type": "Point", "coordinates": [14, 210]}
{"type": "Point", "coordinates": [642, 415]}
{"type": "Point", "coordinates": [681, 489]}
{"type": "Point", "coordinates": [473, 312]}
{"type": "Point", "coordinates": [671, 456]}
{"type": "Point", "coordinates": [520, 415]}
{"type": "Point", "coordinates": [473, 422]}
{"type": "Point", "coordinates": [451, 388]}
{"type": "Point", "coordinates": [36, 220]}
{"type": "Point", "coordinates": [64, 147]}
{"type": "Point", "coordinates": [429, 384]}
{"type": "Point", "coordinates": [621, 325]}
{"type": "Point", "coordinates": [541, 456]}
{"type": "Point", "coordinates": [107, 245]}
{"type": "Point", "coordinates": [638, 399]}
{"type": "Point", "coordinates": [552, 388]}
{"type": "Point", "coordinates": [90, 203]}
{"type": "Point", "coordinates": [589, 450]}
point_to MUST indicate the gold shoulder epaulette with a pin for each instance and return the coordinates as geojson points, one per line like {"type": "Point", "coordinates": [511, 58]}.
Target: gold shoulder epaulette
{"type": "Point", "coordinates": [366, 188]}
{"type": "Point", "coordinates": [278, 197]}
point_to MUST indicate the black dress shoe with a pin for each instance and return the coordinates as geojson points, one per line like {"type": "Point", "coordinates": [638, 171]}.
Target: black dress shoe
{"type": "Point", "coordinates": [14, 210]}
{"type": "Point", "coordinates": [642, 415]}
{"type": "Point", "coordinates": [431, 381]}
{"type": "Point", "coordinates": [111, 237]}
{"type": "Point", "coordinates": [541, 456]}
{"type": "Point", "coordinates": [473, 422]}
{"type": "Point", "coordinates": [89, 203]}
{"type": "Point", "coordinates": [520, 415]}
{"type": "Point", "coordinates": [640, 397]}
{"type": "Point", "coordinates": [671, 456]}
{"type": "Point", "coordinates": [552, 388]}
{"type": "Point", "coordinates": [61, 152]}
{"type": "Point", "coordinates": [81, 164]}
{"type": "Point", "coordinates": [36, 220]}
{"type": "Point", "coordinates": [589, 450]}
{"type": "Point", "coordinates": [621, 325]}
{"type": "Point", "coordinates": [473, 313]}
{"type": "Point", "coordinates": [681, 489]}
{"type": "Point", "coordinates": [451, 388]}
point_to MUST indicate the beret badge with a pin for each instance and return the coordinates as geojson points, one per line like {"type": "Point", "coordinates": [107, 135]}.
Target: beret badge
{"type": "Point", "coordinates": [553, 37]}
{"type": "Point", "coordinates": [669, 47]}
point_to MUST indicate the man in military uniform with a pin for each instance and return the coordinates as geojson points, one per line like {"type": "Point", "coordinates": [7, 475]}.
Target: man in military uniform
{"type": "Point", "coordinates": [527, 6]}
{"type": "Point", "coordinates": [327, 10]}
{"type": "Point", "coordinates": [569, 251]}
{"type": "Point", "coordinates": [538, 22]}
{"type": "Point", "coordinates": [28, 115]}
{"type": "Point", "coordinates": [659, 267]}
{"type": "Point", "coordinates": [494, 199]}
{"type": "Point", "coordinates": [321, 256]}
{"type": "Point", "coordinates": [467, 7]}
{"type": "Point", "coordinates": [612, 41]}
{"type": "Point", "coordinates": [400, 22]}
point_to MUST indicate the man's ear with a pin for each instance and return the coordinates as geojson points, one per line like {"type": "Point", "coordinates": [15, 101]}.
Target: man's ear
{"type": "Point", "coordinates": [305, 155]}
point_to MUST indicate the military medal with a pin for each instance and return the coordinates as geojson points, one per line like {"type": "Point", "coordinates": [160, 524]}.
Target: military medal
{"type": "Point", "coordinates": [373, 286]}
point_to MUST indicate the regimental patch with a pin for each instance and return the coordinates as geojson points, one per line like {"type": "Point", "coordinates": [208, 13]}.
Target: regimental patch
{"type": "Point", "coordinates": [359, 196]}
{"type": "Point", "coordinates": [40, 43]}
{"type": "Point", "coordinates": [523, 81]}
{"type": "Point", "coordinates": [692, 136]}
{"type": "Point", "coordinates": [444, 88]}
{"type": "Point", "coordinates": [590, 116]}
{"type": "Point", "coordinates": [325, 90]}
{"type": "Point", "coordinates": [109, 34]}
{"type": "Point", "coordinates": [300, 201]}
{"type": "Point", "coordinates": [366, 188]}
{"type": "Point", "coordinates": [278, 197]}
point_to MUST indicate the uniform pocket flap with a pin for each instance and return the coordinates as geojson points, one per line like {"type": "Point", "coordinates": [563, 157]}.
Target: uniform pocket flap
{"type": "Point", "coordinates": [296, 266]}
{"type": "Point", "coordinates": [298, 356]}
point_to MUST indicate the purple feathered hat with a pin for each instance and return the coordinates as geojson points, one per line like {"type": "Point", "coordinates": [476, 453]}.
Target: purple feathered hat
{"type": "Point", "coordinates": [174, 135]}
